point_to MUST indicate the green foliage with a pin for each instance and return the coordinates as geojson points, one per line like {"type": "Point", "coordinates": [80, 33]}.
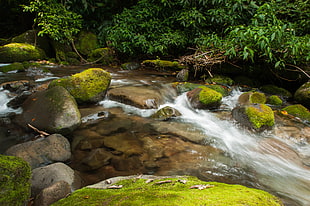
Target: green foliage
{"type": "Point", "coordinates": [55, 20]}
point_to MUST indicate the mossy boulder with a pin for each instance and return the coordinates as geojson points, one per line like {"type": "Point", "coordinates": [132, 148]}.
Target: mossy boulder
{"type": "Point", "coordinates": [15, 176]}
{"type": "Point", "coordinates": [181, 190]}
{"type": "Point", "coordinates": [252, 98]}
{"type": "Point", "coordinates": [302, 94]}
{"type": "Point", "coordinates": [19, 52]}
{"type": "Point", "coordinates": [105, 56]}
{"type": "Point", "coordinates": [163, 64]}
{"type": "Point", "coordinates": [254, 116]}
{"type": "Point", "coordinates": [166, 113]}
{"type": "Point", "coordinates": [31, 37]}
{"type": "Point", "coordinates": [219, 79]}
{"type": "Point", "coordinates": [182, 87]}
{"type": "Point", "coordinates": [274, 100]}
{"type": "Point", "coordinates": [204, 98]}
{"type": "Point", "coordinates": [89, 86]}
{"type": "Point", "coordinates": [298, 110]}
{"type": "Point", "coordinates": [16, 66]}
{"type": "Point", "coordinates": [272, 89]}
{"type": "Point", "coordinates": [53, 110]}
{"type": "Point", "coordinates": [86, 42]}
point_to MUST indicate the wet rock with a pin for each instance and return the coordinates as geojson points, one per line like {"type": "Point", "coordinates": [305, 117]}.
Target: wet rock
{"type": "Point", "coordinates": [130, 66]}
{"type": "Point", "coordinates": [19, 100]}
{"type": "Point", "coordinates": [183, 75]}
{"type": "Point", "coordinates": [255, 116]}
{"type": "Point", "coordinates": [302, 95]}
{"type": "Point", "coordinates": [53, 110]}
{"type": "Point", "coordinates": [252, 98]}
{"type": "Point", "coordinates": [53, 193]}
{"type": "Point", "coordinates": [89, 86]}
{"type": "Point", "coordinates": [166, 113]}
{"type": "Point", "coordinates": [141, 97]}
{"type": "Point", "coordinates": [19, 52]}
{"type": "Point", "coordinates": [16, 66]}
{"type": "Point", "coordinates": [14, 181]}
{"type": "Point", "coordinates": [17, 86]}
{"type": "Point", "coordinates": [43, 151]}
{"type": "Point", "coordinates": [44, 177]}
{"type": "Point", "coordinates": [204, 98]}
{"type": "Point", "coordinates": [97, 158]}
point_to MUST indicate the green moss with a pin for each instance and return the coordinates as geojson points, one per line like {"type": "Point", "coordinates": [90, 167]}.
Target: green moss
{"type": "Point", "coordinates": [14, 181]}
{"type": "Point", "coordinates": [19, 52]}
{"type": "Point", "coordinates": [209, 96]}
{"type": "Point", "coordinates": [272, 89]}
{"type": "Point", "coordinates": [219, 79]}
{"type": "Point", "coordinates": [138, 192]}
{"type": "Point", "coordinates": [260, 115]}
{"type": "Point", "coordinates": [12, 67]}
{"type": "Point", "coordinates": [220, 89]}
{"type": "Point", "coordinates": [86, 42]}
{"type": "Point", "coordinates": [274, 100]}
{"type": "Point", "coordinates": [185, 86]}
{"type": "Point", "coordinates": [302, 95]}
{"type": "Point", "coordinates": [298, 110]}
{"type": "Point", "coordinates": [86, 85]}
{"type": "Point", "coordinates": [164, 64]}
{"type": "Point", "coordinates": [257, 97]}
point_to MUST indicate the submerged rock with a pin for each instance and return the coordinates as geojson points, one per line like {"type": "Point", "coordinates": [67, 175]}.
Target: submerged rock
{"type": "Point", "coordinates": [19, 52]}
{"type": "Point", "coordinates": [89, 86]}
{"type": "Point", "coordinates": [168, 190]}
{"type": "Point", "coordinates": [302, 95]}
{"type": "Point", "coordinates": [256, 116]}
{"type": "Point", "coordinates": [54, 148]}
{"type": "Point", "coordinates": [14, 181]}
{"type": "Point", "coordinates": [53, 110]}
{"type": "Point", "coordinates": [204, 98]}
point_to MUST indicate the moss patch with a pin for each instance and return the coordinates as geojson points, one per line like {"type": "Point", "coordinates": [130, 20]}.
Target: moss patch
{"type": "Point", "coordinates": [219, 79]}
{"type": "Point", "coordinates": [138, 192]}
{"type": "Point", "coordinates": [14, 180]}
{"type": "Point", "coordinates": [274, 100]}
{"type": "Point", "coordinates": [257, 97]}
{"type": "Point", "coordinates": [87, 86]}
{"type": "Point", "coordinates": [298, 110]}
{"type": "Point", "coordinates": [86, 42]}
{"type": "Point", "coordinates": [209, 96]}
{"type": "Point", "coordinates": [19, 52]}
{"type": "Point", "coordinates": [260, 115]}
{"type": "Point", "coordinates": [12, 67]}
{"type": "Point", "coordinates": [272, 89]}
{"type": "Point", "coordinates": [163, 64]}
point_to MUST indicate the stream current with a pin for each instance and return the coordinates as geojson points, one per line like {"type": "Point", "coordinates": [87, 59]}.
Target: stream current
{"type": "Point", "coordinates": [261, 158]}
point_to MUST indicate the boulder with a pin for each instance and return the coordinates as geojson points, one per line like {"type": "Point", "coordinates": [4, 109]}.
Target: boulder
{"type": "Point", "coordinates": [54, 148]}
{"type": "Point", "coordinates": [302, 94]}
{"type": "Point", "coordinates": [167, 190]}
{"type": "Point", "coordinates": [166, 113]}
{"type": "Point", "coordinates": [53, 193]}
{"type": "Point", "coordinates": [53, 110]}
{"type": "Point", "coordinates": [252, 98]}
{"type": "Point", "coordinates": [183, 75]}
{"type": "Point", "coordinates": [274, 100]}
{"type": "Point", "coordinates": [19, 52]}
{"type": "Point", "coordinates": [299, 111]}
{"type": "Point", "coordinates": [89, 86]}
{"type": "Point", "coordinates": [141, 97]}
{"type": "Point", "coordinates": [204, 98]}
{"type": "Point", "coordinates": [254, 116]}
{"type": "Point", "coordinates": [86, 42]}
{"type": "Point", "coordinates": [219, 79]}
{"type": "Point", "coordinates": [44, 177]}
{"type": "Point", "coordinates": [163, 64]}
{"type": "Point", "coordinates": [272, 89]}
{"type": "Point", "coordinates": [14, 181]}
{"type": "Point", "coordinates": [104, 56]}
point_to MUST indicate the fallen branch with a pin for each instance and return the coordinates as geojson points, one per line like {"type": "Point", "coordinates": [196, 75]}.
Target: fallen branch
{"type": "Point", "coordinates": [42, 133]}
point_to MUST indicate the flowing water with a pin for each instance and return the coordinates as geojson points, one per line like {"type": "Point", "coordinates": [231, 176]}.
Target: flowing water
{"type": "Point", "coordinates": [262, 160]}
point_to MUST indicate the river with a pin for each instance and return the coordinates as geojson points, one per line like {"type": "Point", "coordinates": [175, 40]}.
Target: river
{"type": "Point", "coordinates": [263, 160]}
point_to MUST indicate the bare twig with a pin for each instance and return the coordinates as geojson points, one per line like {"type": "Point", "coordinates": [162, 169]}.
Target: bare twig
{"type": "Point", "coordinates": [305, 73]}
{"type": "Point", "coordinates": [38, 131]}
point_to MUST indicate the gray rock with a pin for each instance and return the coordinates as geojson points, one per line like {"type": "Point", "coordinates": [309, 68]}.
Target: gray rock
{"type": "Point", "coordinates": [54, 148]}
{"type": "Point", "coordinates": [53, 110]}
{"type": "Point", "coordinates": [166, 113]}
{"type": "Point", "coordinates": [53, 193]}
{"type": "Point", "coordinates": [44, 177]}
{"type": "Point", "coordinates": [302, 95]}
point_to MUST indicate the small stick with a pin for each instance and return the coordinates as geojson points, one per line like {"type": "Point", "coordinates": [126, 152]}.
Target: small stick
{"type": "Point", "coordinates": [39, 131]}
